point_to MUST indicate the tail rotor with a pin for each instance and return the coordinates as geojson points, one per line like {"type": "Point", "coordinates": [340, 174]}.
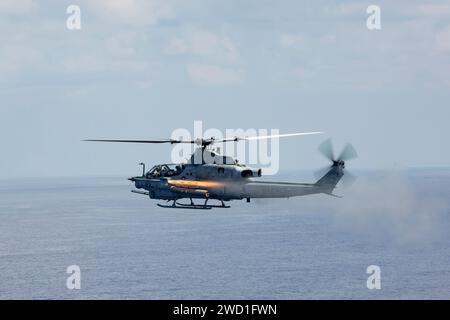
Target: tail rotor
{"type": "Point", "coordinates": [347, 153]}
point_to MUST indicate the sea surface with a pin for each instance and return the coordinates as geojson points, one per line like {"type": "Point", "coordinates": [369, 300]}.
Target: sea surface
{"type": "Point", "coordinates": [315, 247]}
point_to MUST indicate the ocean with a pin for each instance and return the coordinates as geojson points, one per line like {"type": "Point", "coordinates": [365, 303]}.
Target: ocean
{"type": "Point", "coordinates": [314, 247]}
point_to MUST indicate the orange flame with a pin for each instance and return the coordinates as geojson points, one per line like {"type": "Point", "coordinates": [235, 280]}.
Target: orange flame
{"type": "Point", "coordinates": [195, 184]}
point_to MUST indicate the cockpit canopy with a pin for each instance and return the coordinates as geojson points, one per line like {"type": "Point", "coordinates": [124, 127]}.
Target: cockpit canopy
{"type": "Point", "coordinates": [164, 170]}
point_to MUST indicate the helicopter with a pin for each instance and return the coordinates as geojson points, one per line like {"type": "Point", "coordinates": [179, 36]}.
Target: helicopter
{"type": "Point", "coordinates": [210, 176]}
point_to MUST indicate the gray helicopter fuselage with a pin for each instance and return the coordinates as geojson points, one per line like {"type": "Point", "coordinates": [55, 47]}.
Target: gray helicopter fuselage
{"type": "Point", "coordinates": [221, 182]}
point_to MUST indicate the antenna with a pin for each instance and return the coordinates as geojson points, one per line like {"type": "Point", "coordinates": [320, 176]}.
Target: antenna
{"type": "Point", "coordinates": [143, 168]}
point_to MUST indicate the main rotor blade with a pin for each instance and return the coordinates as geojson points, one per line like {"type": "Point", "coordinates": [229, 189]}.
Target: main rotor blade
{"type": "Point", "coordinates": [267, 137]}
{"type": "Point", "coordinates": [140, 141]}
{"type": "Point", "coordinates": [280, 135]}
{"type": "Point", "coordinates": [326, 148]}
{"type": "Point", "coordinates": [226, 140]}
{"type": "Point", "coordinates": [206, 141]}
{"type": "Point", "coordinates": [348, 153]}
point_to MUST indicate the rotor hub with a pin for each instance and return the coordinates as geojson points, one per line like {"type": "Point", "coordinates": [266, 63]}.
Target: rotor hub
{"type": "Point", "coordinates": [339, 163]}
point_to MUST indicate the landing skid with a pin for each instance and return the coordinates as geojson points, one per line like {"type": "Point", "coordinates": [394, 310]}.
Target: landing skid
{"type": "Point", "coordinates": [178, 206]}
{"type": "Point", "coordinates": [192, 205]}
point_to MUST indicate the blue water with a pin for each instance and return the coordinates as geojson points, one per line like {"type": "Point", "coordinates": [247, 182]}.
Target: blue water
{"type": "Point", "coordinates": [303, 248]}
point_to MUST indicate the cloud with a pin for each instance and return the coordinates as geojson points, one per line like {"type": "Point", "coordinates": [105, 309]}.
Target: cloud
{"type": "Point", "coordinates": [17, 59]}
{"type": "Point", "coordinates": [290, 40]}
{"type": "Point", "coordinates": [211, 57]}
{"type": "Point", "coordinates": [112, 54]}
{"type": "Point", "coordinates": [92, 64]}
{"type": "Point", "coordinates": [213, 74]}
{"type": "Point", "coordinates": [205, 44]}
{"type": "Point", "coordinates": [434, 10]}
{"type": "Point", "coordinates": [346, 9]}
{"type": "Point", "coordinates": [17, 7]}
{"type": "Point", "coordinates": [442, 40]}
{"type": "Point", "coordinates": [410, 51]}
{"type": "Point", "coordinates": [132, 12]}
{"type": "Point", "coordinates": [109, 54]}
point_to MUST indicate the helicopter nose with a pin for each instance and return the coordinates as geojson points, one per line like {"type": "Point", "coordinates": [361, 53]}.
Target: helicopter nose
{"type": "Point", "coordinates": [132, 179]}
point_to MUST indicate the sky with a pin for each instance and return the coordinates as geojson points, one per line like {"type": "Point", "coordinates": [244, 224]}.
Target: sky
{"type": "Point", "coordinates": [141, 69]}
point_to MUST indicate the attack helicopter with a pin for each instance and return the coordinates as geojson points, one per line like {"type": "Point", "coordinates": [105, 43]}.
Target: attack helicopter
{"type": "Point", "coordinates": [210, 176]}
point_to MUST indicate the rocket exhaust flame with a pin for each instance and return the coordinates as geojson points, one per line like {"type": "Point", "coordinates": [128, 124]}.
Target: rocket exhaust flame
{"type": "Point", "coordinates": [195, 184]}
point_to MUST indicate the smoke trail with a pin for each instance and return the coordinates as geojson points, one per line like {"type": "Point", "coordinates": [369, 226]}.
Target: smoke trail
{"type": "Point", "coordinates": [389, 205]}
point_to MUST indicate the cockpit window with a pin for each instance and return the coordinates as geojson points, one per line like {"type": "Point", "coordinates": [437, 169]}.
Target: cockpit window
{"type": "Point", "coordinates": [164, 170]}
